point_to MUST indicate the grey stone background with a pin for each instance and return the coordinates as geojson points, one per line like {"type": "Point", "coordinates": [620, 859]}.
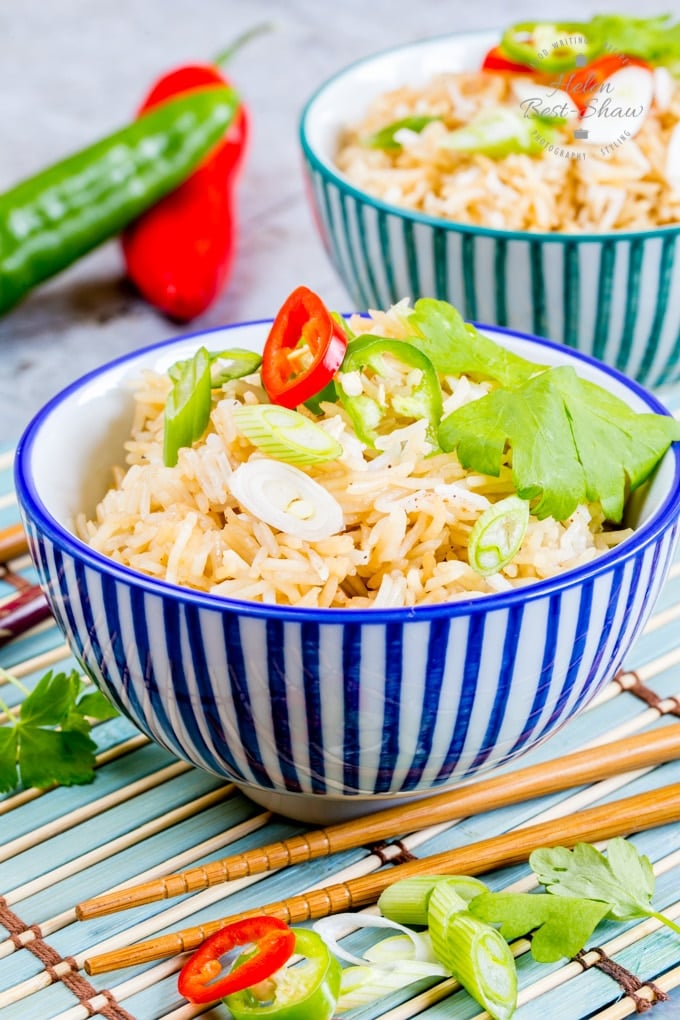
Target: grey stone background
{"type": "Point", "coordinates": [73, 70]}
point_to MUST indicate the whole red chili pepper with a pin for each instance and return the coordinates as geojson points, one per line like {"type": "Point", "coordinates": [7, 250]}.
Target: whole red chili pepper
{"type": "Point", "coordinates": [180, 252]}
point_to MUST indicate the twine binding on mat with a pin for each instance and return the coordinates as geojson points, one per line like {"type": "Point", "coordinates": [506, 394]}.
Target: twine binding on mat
{"type": "Point", "coordinates": [382, 850]}
{"type": "Point", "coordinates": [629, 982]}
{"type": "Point", "coordinates": [49, 957]}
{"type": "Point", "coordinates": [629, 680]}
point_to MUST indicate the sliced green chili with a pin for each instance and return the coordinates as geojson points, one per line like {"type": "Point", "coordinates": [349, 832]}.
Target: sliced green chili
{"type": "Point", "coordinates": [419, 398]}
{"type": "Point", "coordinates": [385, 137]}
{"type": "Point", "coordinates": [234, 363]}
{"type": "Point", "coordinates": [306, 990]}
{"type": "Point", "coordinates": [187, 407]}
{"type": "Point", "coordinates": [552, 48]}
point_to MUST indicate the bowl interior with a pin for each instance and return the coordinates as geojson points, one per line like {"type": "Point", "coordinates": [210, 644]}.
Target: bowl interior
{"type": "Point", "coordinates": [342, 101]}
{"type": "Point", "coordinates": [68, 451]}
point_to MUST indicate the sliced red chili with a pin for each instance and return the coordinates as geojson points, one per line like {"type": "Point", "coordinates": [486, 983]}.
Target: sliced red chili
{"type": "Point", "coordinates": [583, 83]}
{"type": "Point", "coordinates": [273, 943]}
{"type": "Point", "coordinates": [303, 351]}
{"type": "Point", "coordinates": [497, 60]}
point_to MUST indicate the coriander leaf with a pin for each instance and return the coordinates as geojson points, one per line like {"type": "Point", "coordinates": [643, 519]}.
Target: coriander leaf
{"type": "Point", "coordinates": [456, 348]}
{"type": "Point", "coordinates": [654, 39]}
{"type": "Point", "coordinates": [8, 757]}
{"type": "Point", "coordinates": [51, 699]}
{"type": "Point", "coordinates": [624, 881]}
{"type": "Point", "coordinates": [533, 421]}
{"type": "Point", "coordinates": [600, 421]}
{"type": "Point", "coordinates": [570, 441]}
{"type": "Point", "coordinates": [561, 926]}
{"type": "Point", "coordinates": [96, 706]}
{"type": "Point", "coordinates": [48, 741]}
{"type": "Point", "coordinates": [56, 756]}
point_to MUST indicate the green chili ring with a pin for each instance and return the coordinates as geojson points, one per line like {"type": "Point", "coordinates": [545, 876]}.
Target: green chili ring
{"type": "Point", "coordinates": [557, 59]}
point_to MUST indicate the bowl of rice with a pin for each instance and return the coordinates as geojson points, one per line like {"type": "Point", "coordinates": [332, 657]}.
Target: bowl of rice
{"type": "Point", "coordinates": [354, 651]}
{"type": "Point", "coordinates": [430, 174]}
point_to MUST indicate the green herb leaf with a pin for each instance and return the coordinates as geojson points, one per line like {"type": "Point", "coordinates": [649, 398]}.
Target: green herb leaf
{"type": "Point", "coordinates": [456, 348]}
{"type": "Point", "coordinates": [561, 926]}
{"type": "Point", "coordinates": [48, 741]}
{"type": "Point", "coordinates": [385, 138]}
{"type": "Point", "coordinates": [655, 39]}
{"type": "Point", "coordinates": [623, 879]}
{"type": "Point", "coordinates": [571, 442]}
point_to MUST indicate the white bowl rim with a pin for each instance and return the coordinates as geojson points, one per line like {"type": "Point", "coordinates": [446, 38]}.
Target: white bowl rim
{"type": "Point", "coordinates": [32, 504]}
{"type": "Point", "coordinates": [343, 184]}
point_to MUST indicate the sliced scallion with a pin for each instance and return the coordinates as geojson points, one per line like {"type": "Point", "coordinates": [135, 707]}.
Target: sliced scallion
{"type": "Point", "coordinates": [337, 926]}
{"type": "Point", "coordinates": [187, 406]}
{"type": "Point", "coordinates": [363, 985]}
{"type": "Point", "coordinates": [474, 952]}
{"type": "Point", "coordinates": [407, 900]}
{"type": "Point", "coordinates": [285, 434]}
{"type": "Point", "coordinates": [497, 535]}
{"type": "Point", "coordinates": [287, 499]}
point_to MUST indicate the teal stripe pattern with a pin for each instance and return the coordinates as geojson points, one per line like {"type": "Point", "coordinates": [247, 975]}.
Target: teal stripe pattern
{"type": "Point", "coordinates": [616, 298]}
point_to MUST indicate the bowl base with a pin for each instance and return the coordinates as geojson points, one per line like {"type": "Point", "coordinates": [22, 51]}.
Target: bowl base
{"type": "Point", "coordinates": [325, 809]}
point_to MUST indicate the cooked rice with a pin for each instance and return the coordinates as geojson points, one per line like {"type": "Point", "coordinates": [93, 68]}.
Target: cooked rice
{"type": "Point", "coordinates": [574, 188]}
{"type": "Point", "coordinates": [407, 515]}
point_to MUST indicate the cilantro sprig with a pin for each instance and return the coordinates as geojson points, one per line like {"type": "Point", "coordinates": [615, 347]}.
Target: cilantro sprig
{"type": "Point", "coordinates": [568, 441]}
{"type": "Point", "coordinates": [48, 740]}
{"type": "Point", "coordinates": [583, 887]}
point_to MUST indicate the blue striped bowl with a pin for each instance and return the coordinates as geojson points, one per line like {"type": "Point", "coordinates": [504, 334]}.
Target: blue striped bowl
{"type": "Point", "coordinates": [316, 713]}
{"type": "Point", "coordinates": [615, 296]}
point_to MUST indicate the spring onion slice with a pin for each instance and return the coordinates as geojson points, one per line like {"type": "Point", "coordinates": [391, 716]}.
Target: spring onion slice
{"type": "Point", "coordinates": [333, 928]}
{"type": "Point", "coordinates": [362, 985]}
{"type": "Point", "coordinates": [187, 406]}
{"type": "Point", "coordinates": [287, 499]}
{"type": "Point", "coordinates": [474, 952]}
{"type": "Point", "coordinates": [285, 434]}
{"type": "Point", "coordinates": [407, 900]}
{"type": "Point", "coordinates": [498, 132]}
{"type": "Point", "coordinates": [497, 535]}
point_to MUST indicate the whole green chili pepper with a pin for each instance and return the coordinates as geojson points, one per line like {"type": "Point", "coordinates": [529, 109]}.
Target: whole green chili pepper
{"type": "Point", "coordinates": [66, 210]}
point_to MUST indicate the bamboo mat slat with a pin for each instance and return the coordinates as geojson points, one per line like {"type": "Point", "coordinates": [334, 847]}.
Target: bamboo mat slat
{"type": "Point", "coordinates": [145, 816]}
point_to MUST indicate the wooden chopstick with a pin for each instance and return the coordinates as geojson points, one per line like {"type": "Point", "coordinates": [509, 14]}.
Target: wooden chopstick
{"type": "Point", "coordinates": [13, 543]}
{"type": "Point", "coordinates": [616, 818]}
{"type": "Point", "coordinates": [580, 767]}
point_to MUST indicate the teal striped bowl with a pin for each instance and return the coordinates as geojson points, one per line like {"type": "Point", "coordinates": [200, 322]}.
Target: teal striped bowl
{"type": "Point", "coordinates": [614, 296]}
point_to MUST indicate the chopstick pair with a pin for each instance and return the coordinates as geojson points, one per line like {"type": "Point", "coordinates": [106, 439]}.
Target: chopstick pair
{"type": "Point", "coordinates": [642, 750]}
{"type": "Point", "coordinates": [617, 818]}
{"type": "Point", "coordinates": [29, 606]}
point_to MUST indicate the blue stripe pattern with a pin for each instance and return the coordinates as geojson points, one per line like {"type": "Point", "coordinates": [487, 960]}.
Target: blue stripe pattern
{"type": "Point", "coordinates": [167, 687]}
{"type": "Point", "coordinates": [302, 702]}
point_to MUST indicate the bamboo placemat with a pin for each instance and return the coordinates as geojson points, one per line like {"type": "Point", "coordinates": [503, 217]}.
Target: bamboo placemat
{"type": "Point", "coordinates": [146, 815]}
